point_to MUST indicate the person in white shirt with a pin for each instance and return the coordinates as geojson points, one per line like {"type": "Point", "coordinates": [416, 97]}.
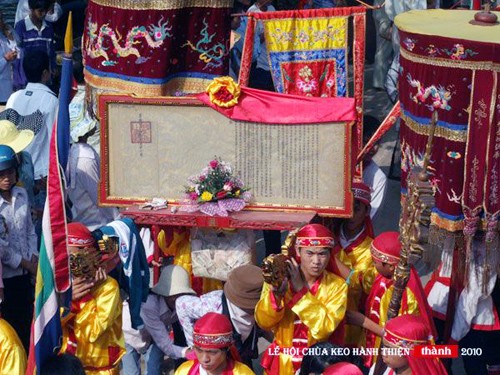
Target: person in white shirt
{"type": "Point", "coordinates": [82, 176]}
{"type": "Point", "coordinates": [18, 248]}
{"type": "Point", "coordinates": [373, 176]}
{"type": "Point", "coordinates": [37, 96]}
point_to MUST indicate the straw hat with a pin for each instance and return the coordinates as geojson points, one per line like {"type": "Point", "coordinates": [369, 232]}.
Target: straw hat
{"type": "Point", "coordinates": [173, 280]}
{"type": "Point", "coordinates": [243, 286]}
{"type": "Point", "coordinates": [18, 140]}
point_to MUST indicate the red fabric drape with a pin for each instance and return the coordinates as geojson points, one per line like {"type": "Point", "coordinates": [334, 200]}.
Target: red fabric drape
{"type": "Point", "coordinates": [273, 108]}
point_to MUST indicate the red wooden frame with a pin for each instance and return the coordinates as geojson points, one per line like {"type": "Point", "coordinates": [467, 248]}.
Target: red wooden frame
{"type": "Point", "coordinates": [106, 200]}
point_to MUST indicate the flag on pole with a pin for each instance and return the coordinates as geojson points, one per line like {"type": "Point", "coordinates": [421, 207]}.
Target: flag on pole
{"type": "Point", "coordinates": [63, 133]}
{"type": "Point", "coordinates": [53, 266]}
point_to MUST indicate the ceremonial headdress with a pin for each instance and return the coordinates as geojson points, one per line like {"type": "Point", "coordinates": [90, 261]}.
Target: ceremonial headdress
{"type": "Point", "coordinates": [344, 368]}
{"type": "Point", "coordinates": [386, 248]}
{"type": "Point", "coordinates": [314, 235]}
{"type": "Point", "coordinates": [361, 192]}
{"type": "Point", "coordinates": [79, 235]}
{"type": "Point", "coordinates": [244, 286]}
{"type": "Point", "coordinates": [407, 331]}
{"type": "Point", "coordinates": [213, 331]}
{"type": "Point", "coordinates": [85, 261]}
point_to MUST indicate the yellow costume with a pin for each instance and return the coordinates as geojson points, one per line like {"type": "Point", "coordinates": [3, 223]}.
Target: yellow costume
{"type": "Point", "coordinates": [93, 329]}
{"type": "Point", "coordinates": [320, 310]}
{"type": "Point", "coordinates": [358, 258]}
{"type": "Point", "coordinates": [12, 354]}
{"type": "Point", "coordinates": [192, 368]}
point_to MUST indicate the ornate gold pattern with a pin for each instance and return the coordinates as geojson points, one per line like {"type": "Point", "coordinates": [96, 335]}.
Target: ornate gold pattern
{"type": "Point", "coordinates": [185, 85]}
{"type": "Point", "coordinates": [437, 61]}
{"type": "Point", "coordinates": [452, 135]}
{"type": "Point", "coordinates": [163, 4]}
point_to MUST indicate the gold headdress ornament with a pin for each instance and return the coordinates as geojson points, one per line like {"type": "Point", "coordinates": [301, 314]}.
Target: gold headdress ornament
{"type": "Point", "coordinates": [274, 268]}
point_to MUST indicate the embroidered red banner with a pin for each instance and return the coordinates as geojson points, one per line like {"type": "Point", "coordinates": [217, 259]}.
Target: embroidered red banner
{"type": "Point", "coordinates": [152, 48]}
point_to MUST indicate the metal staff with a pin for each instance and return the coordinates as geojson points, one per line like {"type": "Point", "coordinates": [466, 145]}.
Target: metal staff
{"type": "Point", "coordinates": [413, 224]}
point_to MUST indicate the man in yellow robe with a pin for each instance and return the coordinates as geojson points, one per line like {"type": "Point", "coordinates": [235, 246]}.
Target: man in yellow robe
{"type": "Point", "coordinates": [354, 238]}
{"type": "Point", "coordinates": [92, 330]}
{"type": "Point", "coordinates": [307, 308]}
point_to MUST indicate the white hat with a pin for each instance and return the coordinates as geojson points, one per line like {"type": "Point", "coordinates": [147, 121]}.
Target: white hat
{"type": "Point", "coordinates": [173, 280]}
{"type": "Point", "coordinates": [16, 139]}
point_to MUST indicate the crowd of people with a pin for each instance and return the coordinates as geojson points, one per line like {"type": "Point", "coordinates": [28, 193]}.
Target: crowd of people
{"type": "Point", "coordinates": [339, 277]}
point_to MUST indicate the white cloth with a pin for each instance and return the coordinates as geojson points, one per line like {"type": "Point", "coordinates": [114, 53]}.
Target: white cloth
{"type": "Point", "coordinates": [37, 96]}
{"type": "Point", "coordinates": [81, 122]}
{"type": "Point", "coordinates": [82, 172]}
{"type": "Point", "coordinates": [191, 308]}
{"type": "Point", "coordinates": [123, 232]}
{"type": "Point", "coordinates": [21, 237]}
{"type": "Point", "coordinates": [262, 60]}
{"type": "Point", "coordinates": [23, 10]}
{"type": "Point", "coordinates": [474, 307]}
{"type": "Point", "coordinates": [158, 320]}
{"type": "Point", "coordinates": [377, 181]}
{"type": "Point", "coordinates": [344, 241]}
{"type": "Point", "coordinates": [243, 322]}
{"type": "Point", "coordinates": [137, 339]}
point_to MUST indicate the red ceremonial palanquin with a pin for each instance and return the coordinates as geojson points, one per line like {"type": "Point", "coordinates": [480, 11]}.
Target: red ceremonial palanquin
{"type": "Point", "coordinates": [153, 48]}
{"type": "Point", "coordinates": [458, 79]}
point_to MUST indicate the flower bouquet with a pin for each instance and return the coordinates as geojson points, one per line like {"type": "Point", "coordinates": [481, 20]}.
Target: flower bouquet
{"type": "Point", "coordinates": [215, 191]}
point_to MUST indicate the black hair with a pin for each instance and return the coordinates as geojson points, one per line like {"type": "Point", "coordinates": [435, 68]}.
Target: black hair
{"type": "Point", "coordinates": [316, 362]}
{"type": "Point", "coordinates": [39, 4]}
{"type": "Point", "coordinates": [34, 63]}
{"type": "Point", "coordinates": [64, 364]}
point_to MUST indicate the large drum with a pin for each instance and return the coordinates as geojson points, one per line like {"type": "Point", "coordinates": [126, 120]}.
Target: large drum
{"type": "Point", "coordinates": [451, 65]}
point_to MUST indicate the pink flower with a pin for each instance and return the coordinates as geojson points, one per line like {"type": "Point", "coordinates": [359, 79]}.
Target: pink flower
{"type": "Point", "coordinates": [202, 178]}
{"type": "Point", "coordinates": [228, 186]}
{"type": "Point", "coordinates": [193, 196]}
{"type": "Point", "coordinates": [214, 163]}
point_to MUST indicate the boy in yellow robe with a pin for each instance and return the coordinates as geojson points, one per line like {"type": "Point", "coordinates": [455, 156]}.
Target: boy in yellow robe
{"type": "Point", "coordinates": [308, 306]}
{"type": "Point", "coordinates": [92, 330]}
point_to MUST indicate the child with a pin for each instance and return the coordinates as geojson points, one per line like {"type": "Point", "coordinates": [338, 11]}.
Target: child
{"type": "Point", "coordinates": [214, 348]}
{"type": "Point", "coordinates": [407, 331]}
{"type": "Point", "coordinates": [35, 34]}
{"type": "Point", "coordinates": [92, 330]}
{"type": "Point", "coordinates": [19, 248]}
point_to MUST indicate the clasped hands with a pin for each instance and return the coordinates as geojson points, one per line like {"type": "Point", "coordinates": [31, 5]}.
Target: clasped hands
{"type": "Point", "coordinates": [82, 284]}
